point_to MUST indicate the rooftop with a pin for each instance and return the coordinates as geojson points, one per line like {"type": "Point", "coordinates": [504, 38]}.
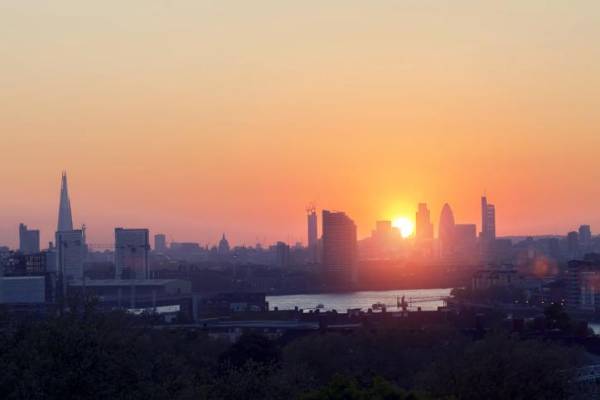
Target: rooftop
{"type": "Point", "coordinates": [124, 282]}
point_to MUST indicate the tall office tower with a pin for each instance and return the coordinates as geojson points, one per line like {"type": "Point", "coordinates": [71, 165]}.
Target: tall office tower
{"type": "Point", "coordinates": [160, 243]}
{"type": "Point", "coordinates": [424, 227]}
{"type": "Point", "coordinates": [29, 240]}
{"type": "Point", "coordinates": [488, 220]}
{"type": "Point", "coordinates": [585, 238]}
{"type": "Point", "coordinates": [313, 236]}
{"type": "Point", "coordinates": [65, 218]}
{"type": "Point", "coordinates": [339, 247]}
{"type": "Point", "coordinates": [70, 254]}
{"type": "Point", "coordinates": [282, 253]}
{"type": "Point", "coordinates": [573, 245]}
{"type": "Point", "coordinates": [131, 253]}
{"type": "Point", "coordinates": [446, 231]}
{"type": "Point", "coordinates": [488, 228]}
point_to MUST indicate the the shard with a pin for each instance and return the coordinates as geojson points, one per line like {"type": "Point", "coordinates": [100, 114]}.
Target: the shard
{"type": "Point", "coordinates": [65, 219]}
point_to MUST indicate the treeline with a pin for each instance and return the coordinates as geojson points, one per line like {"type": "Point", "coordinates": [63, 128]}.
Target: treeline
{"type": "Point", "coordinates": [91, 355]}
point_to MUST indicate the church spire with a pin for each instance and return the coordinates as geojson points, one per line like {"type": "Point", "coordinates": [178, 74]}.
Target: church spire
{"type": "Point", "coordinates": [65, 219]}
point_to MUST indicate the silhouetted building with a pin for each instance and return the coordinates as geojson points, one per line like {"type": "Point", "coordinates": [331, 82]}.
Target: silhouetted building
{"type": "Point", "coordinates": [223, 248]}
{"type": "Point", "coordinates": [227, 303]}
{"type": "Point", "coordinates": [501, 250]}
{"type": "Point", "coordinates": [488, 227]}
{"type": "Point", "coordinates": [424, 227]}
{"type": "Point", "coordinates": [385, 242]}
{"type": "Point", "coordinates": [496, 276]}
{"type": "Point", "coordinates": [65, 218]}
{"type": "Point", "coordinates": [465, 238]}
{"type": "Point", "coordinates": [37, 263]}
{"type": "Point", "coordinates": [18, 264]}
{"type": "Point", "coordinates": [446, 231]}
{"type": "Point", "coordinates": [186, 247]}
{"type": "Point", "coordinates": [160, 243]}
{"type": "Point", "coordinates": [29, 240]}
{"type": "Point", "coordinates": [550, 247]}
{"type": "Point", "coordinates": [583, 288]}
{"type": "Point", "coordinates": [383, 228]}
{"type": "Point", "coordinates": [70, 253]}
{"type": "Point", "coordinates": [573, 244]}
{"type": "Point", "coordinates": [23, 289]}
{"type": "Point", "coordinates": [313, 235]}
{"type": "Point", "coordinates": [133, 293]}
{"type": "Point", "coordinates": [339, 246]}
{"type": "Point", "coordinates": [585, 238]}
{"type": "Point", "coordinates": [131, 253]}
{"type": "Point", "coordinates": [282, 252]}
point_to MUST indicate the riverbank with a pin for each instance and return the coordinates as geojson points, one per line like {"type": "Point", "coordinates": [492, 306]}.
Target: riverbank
{"type": "Point", "coordinates": [427, 299]}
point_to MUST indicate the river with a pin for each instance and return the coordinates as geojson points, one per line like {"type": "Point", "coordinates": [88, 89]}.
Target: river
{"type": "Point", "coordinates": [427, 299]}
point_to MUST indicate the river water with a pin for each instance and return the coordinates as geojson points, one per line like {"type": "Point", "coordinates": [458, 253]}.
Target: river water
{"type": "Point", "coordinates": [427, 299]}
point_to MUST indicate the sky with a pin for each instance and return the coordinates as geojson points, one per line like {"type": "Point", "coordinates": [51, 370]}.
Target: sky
{"type": "Point", "coordinates": [195, 118]}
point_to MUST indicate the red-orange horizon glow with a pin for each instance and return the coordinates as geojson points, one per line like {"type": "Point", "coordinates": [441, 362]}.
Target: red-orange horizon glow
{"type": "Point", "coordinates": [405, 225]}
{"type": "Point", "coordinates": [197, 118]}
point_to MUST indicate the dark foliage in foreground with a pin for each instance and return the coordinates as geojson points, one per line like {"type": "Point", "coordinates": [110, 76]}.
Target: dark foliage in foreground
{"type": "Point", "coordinates": [89, 355]}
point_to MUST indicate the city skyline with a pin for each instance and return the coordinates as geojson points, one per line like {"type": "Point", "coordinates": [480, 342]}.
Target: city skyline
{"type": "Point", "coordinates": [300, 199]}
{"type": "Point", "coordinates": [65, 219]}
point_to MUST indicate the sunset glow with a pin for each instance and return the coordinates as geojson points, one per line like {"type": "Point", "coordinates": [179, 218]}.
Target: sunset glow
{"type": "Point", "coordinates": [358, 106]}
{"type": "Point", "coordinates": [405, 225]}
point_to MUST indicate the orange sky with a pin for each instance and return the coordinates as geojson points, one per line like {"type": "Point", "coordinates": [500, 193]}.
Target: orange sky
{"type": "Point", "coordinates": [195, 118]}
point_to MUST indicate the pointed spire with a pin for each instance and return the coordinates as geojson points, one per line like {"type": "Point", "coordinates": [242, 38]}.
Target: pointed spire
{"type": "Point", "coordinates": [65, 219]}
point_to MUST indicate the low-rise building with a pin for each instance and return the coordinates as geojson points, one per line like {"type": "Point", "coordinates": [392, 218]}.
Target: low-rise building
{"type": "Point", "coordinates": [24, 290]}
{"type": "Point", "coordinates": [226, 303]}
{"type": "Point", "coordinates": [584, 284]}
{"type": "Point", "coordinates": [503, 276]}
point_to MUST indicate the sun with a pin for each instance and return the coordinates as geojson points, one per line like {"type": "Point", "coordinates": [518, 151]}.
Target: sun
{"type": "Point", "coordinates": [405, 225]}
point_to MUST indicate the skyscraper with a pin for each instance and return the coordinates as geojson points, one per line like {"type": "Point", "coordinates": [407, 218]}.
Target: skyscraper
{"type": "Point", "coordinates": [488, 220]}
{"type": "Point", "coordinates": [29, 240]}
{"type": "Point", "coordinates": [313, 236]}
{"type": "Point", "coordinates": [488, 228]}
{"type": "Point", "coordinates": [65, 218]}
{"type": "Point", "coordinates": [131, 253]}
{"type": "Point", "coordinates": [160, 243]}
{"type": "Point", "coordinates": [282, 253]}
{"type": "Point", "coordinates": [573, 244]}
{"type": "Point", "coordinates": [446, 231]}
{"type": "Point", "coordinates": [223, 248]}
{"type": "Point", "coordinates": [70, 244]}
{"type": "Point", "coordinates": [339, 247]}
{"type": "Point", "coordinates": [424, 227]}
{"type": "Point", "coordinates": [585, 238]}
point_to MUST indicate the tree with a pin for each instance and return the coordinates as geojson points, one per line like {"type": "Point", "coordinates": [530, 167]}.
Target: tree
{"type": "Point", "coordinates": [252, 347]}
{"type": "Point", "coordinates": [557, 318]}
{"type": "Point", "coordinates": [499, 367]}
{"type": "Point", "coordinates": [343, 388]}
